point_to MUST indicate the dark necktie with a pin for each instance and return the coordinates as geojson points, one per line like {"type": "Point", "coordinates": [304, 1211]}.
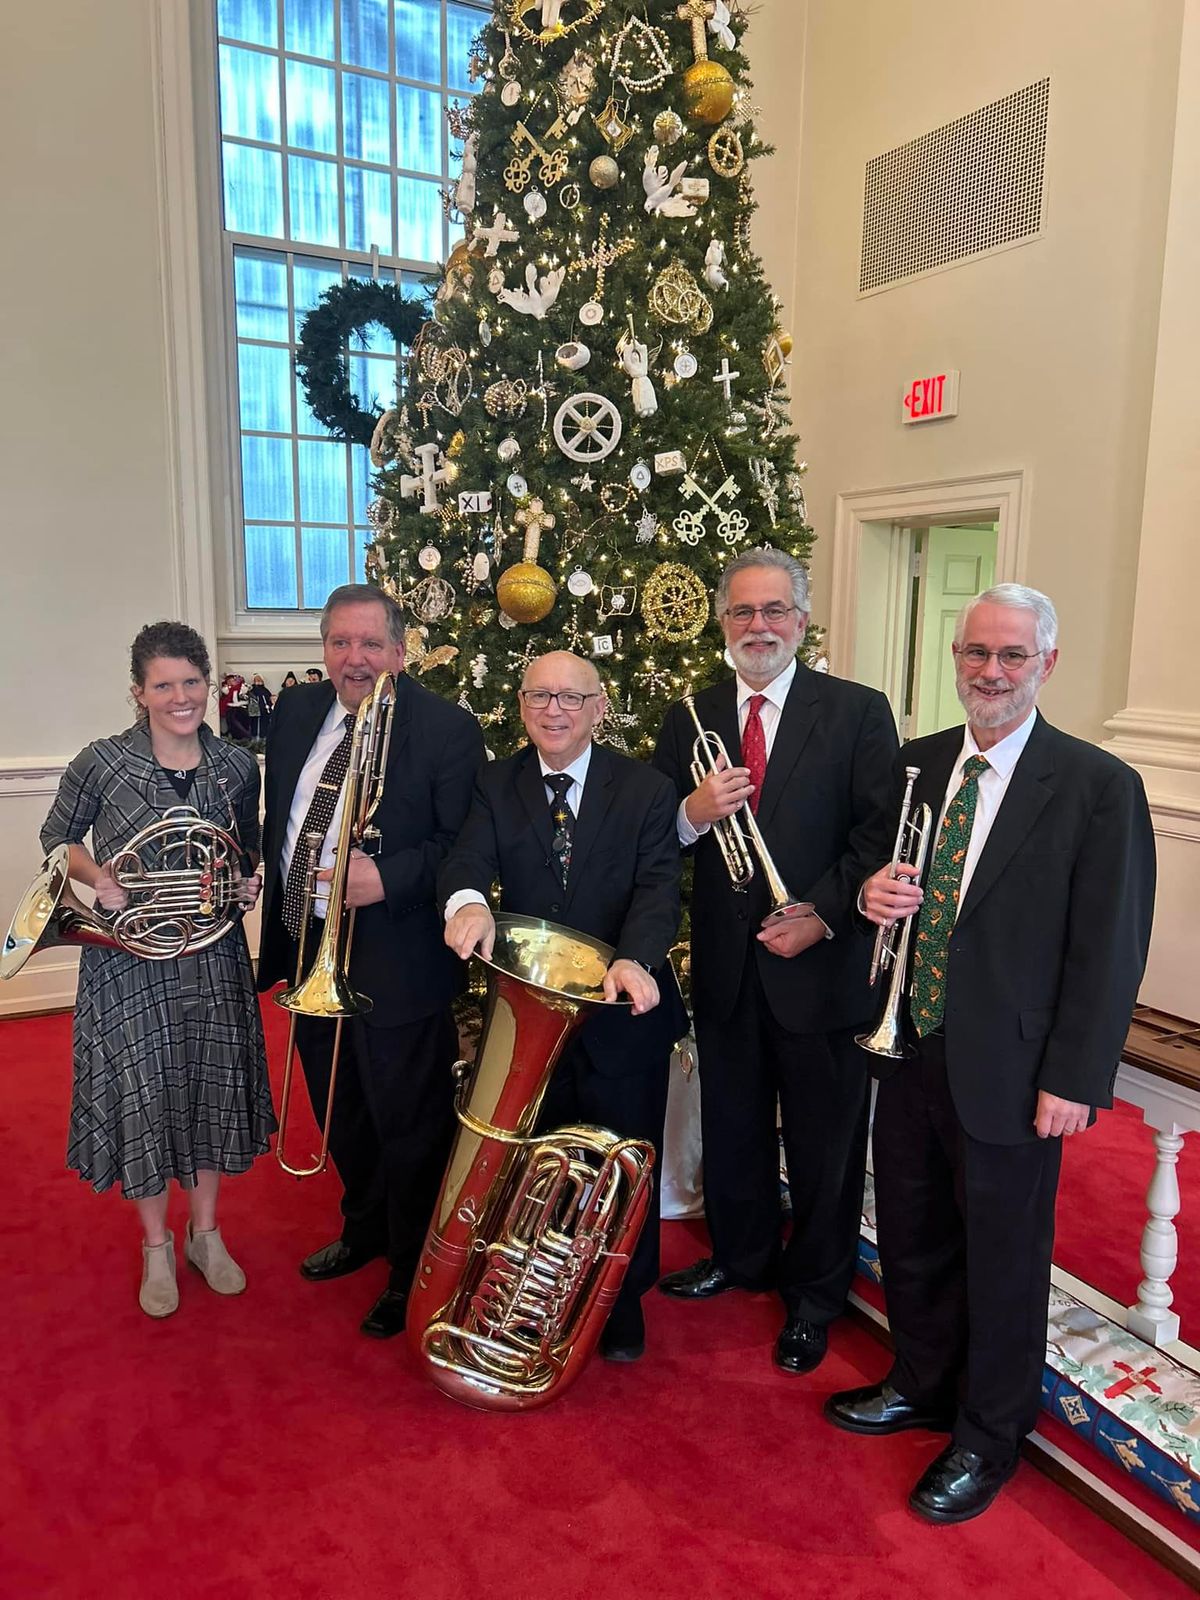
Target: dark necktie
{"type": "Point", "coordinates": [316, 820]}
{"type": "Point", "coordinates": [935, 920]}
{"type": "Point", "coordinates": [754, 747]}
{"type": "Point", "coordinates": [563, 819]}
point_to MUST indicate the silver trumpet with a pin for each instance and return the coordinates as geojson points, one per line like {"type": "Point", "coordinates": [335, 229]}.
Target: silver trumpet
{"type": "Point", "coordinates": [739, 836]}
{"type": "Point", "coordinates": [891, 943]}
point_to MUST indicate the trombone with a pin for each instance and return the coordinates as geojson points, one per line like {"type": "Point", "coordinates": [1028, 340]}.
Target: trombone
{"type": "Point", "coordinates": [739, 836]}
{"type": "Point", "coordinates": [892, 943]}
{"type": "Point", "coordinates": [325, 994]}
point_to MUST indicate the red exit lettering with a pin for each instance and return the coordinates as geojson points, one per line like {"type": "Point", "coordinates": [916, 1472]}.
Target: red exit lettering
{"type": "Point", "coordinates": [925, 397]}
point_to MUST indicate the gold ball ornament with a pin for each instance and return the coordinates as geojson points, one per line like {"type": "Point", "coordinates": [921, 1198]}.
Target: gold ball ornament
{"type": "Point", "coordinates": [604, 173]}
{"type": "Point", "coordinates": [526, 592]}
{"type": "Point", "coordinates": [707, 92]}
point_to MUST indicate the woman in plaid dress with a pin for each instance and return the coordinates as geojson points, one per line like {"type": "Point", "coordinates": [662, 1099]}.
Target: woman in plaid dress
{"type": "Point", "coordinates": [170, 1070]}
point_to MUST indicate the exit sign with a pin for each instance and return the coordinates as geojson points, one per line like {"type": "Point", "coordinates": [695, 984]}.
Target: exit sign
{"type": "Point", "coordinates": [926, 399]}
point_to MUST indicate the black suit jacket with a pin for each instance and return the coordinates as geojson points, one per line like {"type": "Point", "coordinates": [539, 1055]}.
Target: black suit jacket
{"type": "Point", "coordinates": [1050, 942]}
{"type": "Point", "coordinates": [829, 770]}
{"type": "Point", "coordinates": [622, 887]}
{"type": "Point", "coordinates": [398, 957]}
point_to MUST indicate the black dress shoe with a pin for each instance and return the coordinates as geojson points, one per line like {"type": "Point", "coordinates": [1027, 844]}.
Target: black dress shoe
{"type": "Point", "coordinates": [801, 1345]}
{"type": "Point", "coordinates": [624, 1336]}
{"type": "Point", "coordinates": [335, 1261]}
{"type": "Point", "coordinates": [701, 1281]}
{"type": "Point", "coordinates": [959, 1485]}
{"type": "Point", "coordinates": [386, 1317]}
{"type": "Point", "coordinates": [881, 1409]}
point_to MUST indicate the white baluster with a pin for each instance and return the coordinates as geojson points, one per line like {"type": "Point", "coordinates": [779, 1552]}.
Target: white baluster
{"type": "Point", "coordinates": [1152, 1318]}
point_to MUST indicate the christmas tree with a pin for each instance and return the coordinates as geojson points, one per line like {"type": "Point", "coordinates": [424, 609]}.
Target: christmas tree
{"type": "Point", "coordinates": [594, 419]}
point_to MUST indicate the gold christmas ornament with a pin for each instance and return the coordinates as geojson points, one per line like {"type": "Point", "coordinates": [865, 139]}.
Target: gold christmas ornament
{"type": "Point", "coordinates": [785, 342]}
{"type": "Point", "coordinates": [457, 443]}
{"type": "Point", "coordinates": [707, 92]}
{"type": "Point", "coordinates": [604, 172]}
{"type": "Point", "coordinates": [674, 603]}
{"type": "Point", "coordinates": [550, 16]}
{"type": "Point", "coordinates": [526, 592]}
{"type": "Point", "coordinates": [677, 297]}
{"type": "Point", "coordinates": [725, 154]}
{"type": "Point", "coordinates": [668, 127]}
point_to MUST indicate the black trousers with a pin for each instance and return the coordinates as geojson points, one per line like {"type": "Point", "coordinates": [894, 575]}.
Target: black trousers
{"type": "Point", "coordinates": [393, 1123]}
{"type": "Point", "coordinates": [966, 1231]}
{"type": "Point", "coordinates": [749, 1065]}
{"type": "Point", "coordinates": [633, 1105]}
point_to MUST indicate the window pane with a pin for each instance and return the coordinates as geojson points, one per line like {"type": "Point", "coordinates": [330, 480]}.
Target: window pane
{"type": "Point", "coordinates": [265, 388]}
{"type": "Point", "coordinates": [373, 382]}
{"type": "Point", "coordinates": [365, 119]}
{"type": "Point", "coordinates": [365, 33]}
{"type": "Point", "coordinates": [260, 288]}
{"type": "Point", "coordinates": [322, 481]}
{"type": "Point", "coordinates": [418, 40]}
{"type": "Point", "coordinates": [266, 478]}
{"type": "Point", "coordinates": [313, 192]}
{"type": "Point", "coordinates": [271, 568]}
{"type": "Point", "coordinates": [361, 473]}
{"type": "Point", "coordinates": [249, 94]}
{"type": "Point", "coordinates": [305, 421]}
{"type": "Point", "coordinates": [310, 279]}
{"type": "Point", "coordinates": [308, 27]}
{"type": "Point", "coordinates": [362, 543]}
{"type": "Point", "coordinates": [253, 20]}
{"type": "Point", "coordinates": [311, 107]}
{"type": "Point", "coordinates": [368, 210]}
{"type": "Point", "coordinates": [253, 191]}
{"type": "Point", "coordinates": [462, 24]}
{"type": "Point", "coordinates": [325, 553]}
{"type": "Point", "coordinates": [420, 220]}
{"type": "Point", "coordinates": [418, 129]}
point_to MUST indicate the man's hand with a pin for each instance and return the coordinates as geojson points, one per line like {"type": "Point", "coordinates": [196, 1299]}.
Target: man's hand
{"type": "Point", "coordinates": [626, 977]}
{"type": "Point", "coordinates": [108, 891]}
{"type": "Point", "coordinates": [788, 939]}
{"type": "Point", "coordinates": [364, 886]}
{"type": "Point", "coordinates": [886, 899]}
{"type": "Point", "coordinates": [1056, 1116]}
{"type": "Point", "coordinates": [471, 928]}
{"type": "Point", "coordinates": [720, 795]}
{"type": "Point", "coordinates": [247, 890]}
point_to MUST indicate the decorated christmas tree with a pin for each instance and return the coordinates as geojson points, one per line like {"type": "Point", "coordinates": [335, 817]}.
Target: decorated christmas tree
{"type": "Point", "coordinates": [594, 420]}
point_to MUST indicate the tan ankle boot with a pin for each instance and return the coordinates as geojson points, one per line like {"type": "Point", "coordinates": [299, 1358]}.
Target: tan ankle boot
{"type": "Point", "coordinates": [205, 1250]}
{"type": "Point", "coordinates": [159, 1294]}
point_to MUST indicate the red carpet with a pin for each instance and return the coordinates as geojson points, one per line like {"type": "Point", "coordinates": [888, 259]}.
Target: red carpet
{"type": "Point", "coordinates": [261, 1446]}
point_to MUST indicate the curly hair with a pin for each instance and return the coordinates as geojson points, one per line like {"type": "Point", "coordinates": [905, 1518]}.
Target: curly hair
{"type": "Point", "coordinates": [167, 639]}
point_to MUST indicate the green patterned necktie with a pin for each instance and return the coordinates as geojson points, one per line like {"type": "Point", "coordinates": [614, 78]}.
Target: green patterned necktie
{"type": "Point", "coordinates": [935, 920]}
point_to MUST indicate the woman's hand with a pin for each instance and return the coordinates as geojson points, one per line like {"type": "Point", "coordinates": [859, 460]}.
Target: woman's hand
{"type": "Point", "coordinates": [248, 890]}
{"type": "Point", "coordinates": [109, 892]}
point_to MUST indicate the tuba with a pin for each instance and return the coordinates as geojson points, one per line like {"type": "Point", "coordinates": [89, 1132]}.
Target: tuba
{"type": "Point", "coordinates": [532, 1234]}
{"type": "Point", "coordinates": [181, 873]}
{"type": "Point", "coordinates": [891, 944]}
{"type": "Point", "coordinates": [325, 993]}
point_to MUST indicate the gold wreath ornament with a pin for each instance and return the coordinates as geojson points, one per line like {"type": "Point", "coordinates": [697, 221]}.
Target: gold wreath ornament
{"type": "Point", "coordinates": [677, 297]}
{"type": "Point", "coordinates": [674, 603]}
{"type": "Point", "coordinates": [556, 29]}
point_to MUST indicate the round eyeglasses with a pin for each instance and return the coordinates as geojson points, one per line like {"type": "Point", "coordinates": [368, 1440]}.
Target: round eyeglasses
{"type": "Point", "coordinates": [1012, 658]}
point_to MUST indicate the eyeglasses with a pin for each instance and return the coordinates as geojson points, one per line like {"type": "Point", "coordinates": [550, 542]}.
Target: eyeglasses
{"type": "Point", "coordinates": [774, 613]}
{"type": "Point", "coordinates": [1012, 658]}
{"type": "Point", "coordinates": [568, 699]}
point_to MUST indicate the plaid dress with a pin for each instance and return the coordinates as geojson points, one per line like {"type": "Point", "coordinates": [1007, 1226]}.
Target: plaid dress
{"type": "Point", "coordinates": [170, 1069]}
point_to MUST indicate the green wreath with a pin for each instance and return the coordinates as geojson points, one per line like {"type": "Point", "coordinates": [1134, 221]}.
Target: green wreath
{"type": "Point", "coordinates": [344, 310]}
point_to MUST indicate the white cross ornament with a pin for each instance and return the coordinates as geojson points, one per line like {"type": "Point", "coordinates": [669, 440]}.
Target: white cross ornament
{"type": "Point", "coordinates": [498, 232]}
{"type": "Point", "coordinates": [725, 379]}
{"type": "Point", "coordinates": [430, 480]}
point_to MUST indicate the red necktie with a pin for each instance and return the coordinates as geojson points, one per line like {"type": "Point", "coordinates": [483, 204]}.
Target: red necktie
{"type": "Point", "coordinates": [754, 748]}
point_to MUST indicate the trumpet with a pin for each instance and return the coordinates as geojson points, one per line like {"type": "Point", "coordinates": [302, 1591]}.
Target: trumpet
{"type": "Point", "coordinates": [892, 943]}
{"type": "Point", "coordinates": [326, 992]}
{"type": "Point", "coordinates": [739, 837]}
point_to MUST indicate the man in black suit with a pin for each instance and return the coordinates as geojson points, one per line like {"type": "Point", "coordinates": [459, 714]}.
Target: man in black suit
{"type": "Point", "coordinates": [393, 1113]}
{"type": "Point", "coordinates": [1029, 946]}
{"type": "Point", "coordinates": [580, 835]}
{"type": "Point", "coordinates": [777, 1005]}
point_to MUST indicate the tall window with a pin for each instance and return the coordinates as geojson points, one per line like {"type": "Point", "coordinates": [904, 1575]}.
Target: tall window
{"type": "Point", "coordinates": [335, 152]}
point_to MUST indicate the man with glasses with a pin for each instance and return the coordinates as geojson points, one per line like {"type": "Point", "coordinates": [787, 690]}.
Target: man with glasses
{"type": "Point", "coordinates": [1031, 938]}
{"type": "Point", "coordinates": [777, 1004]}
{"type": "Point", "coordinates": [577, 834]}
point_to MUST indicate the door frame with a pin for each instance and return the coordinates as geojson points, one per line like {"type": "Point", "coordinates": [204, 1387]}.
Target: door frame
{"type": "Point", "coordinates": [1000, 497]}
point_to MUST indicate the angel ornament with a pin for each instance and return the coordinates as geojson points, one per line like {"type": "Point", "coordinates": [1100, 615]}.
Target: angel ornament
{"type": "Point", "coordinates": [714, 265]}
{"type": "Point", "coordinates": [538, 295]}
{"type": "Point", "coordinates": [635, 359]}
{"type": "Point", "coordinates": [660, 187]}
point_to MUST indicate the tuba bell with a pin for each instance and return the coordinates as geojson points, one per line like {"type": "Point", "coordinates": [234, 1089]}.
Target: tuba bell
{"type": "Point", "coordinates": [181, 873]}
{"type": "Point", "coordinates": [532, 1234]}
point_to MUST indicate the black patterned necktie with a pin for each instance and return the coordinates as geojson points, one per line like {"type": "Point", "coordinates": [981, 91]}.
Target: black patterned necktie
{"type": "Point", "coordinates": [563, 819]}
{"type": "Point", "coordinates": [316, 820]}
{"type": "Point", "coordinates": [939, 908]}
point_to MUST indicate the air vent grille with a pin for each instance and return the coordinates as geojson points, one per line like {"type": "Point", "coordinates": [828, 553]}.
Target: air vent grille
{"type": "Point", "coordinates": [972, 186]}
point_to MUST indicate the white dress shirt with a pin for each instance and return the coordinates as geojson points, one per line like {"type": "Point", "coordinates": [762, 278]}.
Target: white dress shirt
{"type": "Point", "coordinates": [993, 784]}
{"type": "Point", "coordinates": [578, 771]}
{"type": "Point", "coordinates": [326, 742]}
{"type": "Point", "coordinates": [769, 714]}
